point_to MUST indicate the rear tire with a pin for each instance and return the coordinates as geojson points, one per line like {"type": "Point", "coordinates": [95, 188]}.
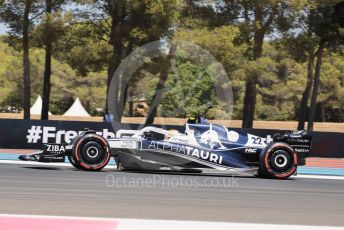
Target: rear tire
{"type": "Point", "coordinates": [278, 161]}
{"type": "Point", "coordinates": [91, 152]}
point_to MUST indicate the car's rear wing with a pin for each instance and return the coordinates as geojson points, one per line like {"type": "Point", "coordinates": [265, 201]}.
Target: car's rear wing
{"type": "Point", "coordinates": [301, 141]}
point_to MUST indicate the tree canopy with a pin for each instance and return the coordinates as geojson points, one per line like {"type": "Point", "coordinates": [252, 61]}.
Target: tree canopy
{"type": "Point", "coordinates": [284, 59]}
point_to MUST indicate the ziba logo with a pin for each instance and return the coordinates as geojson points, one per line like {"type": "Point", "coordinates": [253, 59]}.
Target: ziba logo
{"type": "Point", "coordinates": [56, 148]}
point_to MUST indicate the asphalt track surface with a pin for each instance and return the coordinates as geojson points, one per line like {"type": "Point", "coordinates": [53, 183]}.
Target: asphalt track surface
{"type": "Point", "coordinates": [64, 191]}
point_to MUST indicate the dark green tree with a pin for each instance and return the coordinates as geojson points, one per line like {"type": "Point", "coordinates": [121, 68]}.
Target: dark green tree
{"type": "Point", "coordinates": [19, 16]}
{"type": "Point", "coordinates": [259, 18]}
{"type": "Point", "coordinates": [166, 67]}
{"type": "Point", "coordinates": [83, 47]}
{"type": "Point", "coordinates": [329, 28]}
{"type": "Point", "coordinates": [128, 24]}
{"type": "Point", "coordinates": [46, 35]}
{"type": "Point", "coordinates": [256, 19]}
{"type": "Point", "coordinates": [304, 45]}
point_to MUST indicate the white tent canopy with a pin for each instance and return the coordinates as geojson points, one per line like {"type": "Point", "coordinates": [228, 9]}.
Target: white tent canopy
{"type": "Point", "coordinates": [77, 110]}
{"type": "Point", "coordinates": [36, 108]}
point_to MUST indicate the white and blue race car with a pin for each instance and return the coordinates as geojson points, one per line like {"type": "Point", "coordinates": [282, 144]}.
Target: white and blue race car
{"type": "Point", "coordinates": [201, 148]}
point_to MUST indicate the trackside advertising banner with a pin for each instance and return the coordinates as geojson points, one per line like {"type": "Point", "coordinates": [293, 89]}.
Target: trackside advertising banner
{"type": "Point", "coordinates": [32, 134]}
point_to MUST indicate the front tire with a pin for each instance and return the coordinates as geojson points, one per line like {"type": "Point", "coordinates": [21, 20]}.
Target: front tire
{"type": "Point", "coordinates": [278, 161]}
{"type": "Point", "coordinates": [91, 152]}
{"type": "Point", "coordinates": [72, 162]}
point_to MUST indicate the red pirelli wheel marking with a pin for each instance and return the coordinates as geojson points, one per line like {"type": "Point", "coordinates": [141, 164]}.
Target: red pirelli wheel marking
{"type": "Point", "coordinates": [290, 150]}
{"type": "Point", "coordinates": [77, 152]}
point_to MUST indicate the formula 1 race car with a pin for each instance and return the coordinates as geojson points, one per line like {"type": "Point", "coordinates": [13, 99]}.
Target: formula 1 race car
{"type": "Point", "coordinates": [201, 148]}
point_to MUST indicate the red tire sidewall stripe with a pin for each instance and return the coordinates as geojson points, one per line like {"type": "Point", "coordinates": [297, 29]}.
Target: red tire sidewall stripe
{"type": "Point", "coordinates": [82, 164]}
{"type": "Point", "coordinates": [106, 147]}
{"type": "Point", "coordinates": [270, 151]}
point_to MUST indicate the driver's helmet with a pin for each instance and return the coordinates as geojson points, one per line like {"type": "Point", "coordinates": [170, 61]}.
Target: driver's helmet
{"type": "Point", "coordinates": [192, 120]}
{"type": "Point", "coordinates": [197, 120]}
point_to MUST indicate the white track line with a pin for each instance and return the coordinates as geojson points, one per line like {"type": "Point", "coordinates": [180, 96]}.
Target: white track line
{"type": "Point", "coordinates": [44, 164]}
{"type": "Point", "coordinates": [323, 177]}
{"type": "Point", "coordinates": [134, 224]}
